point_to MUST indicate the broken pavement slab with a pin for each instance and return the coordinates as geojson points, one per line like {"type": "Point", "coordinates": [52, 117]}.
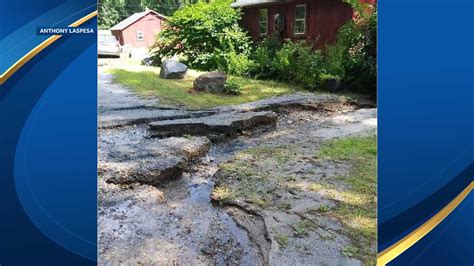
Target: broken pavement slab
{"type": "Point", "coordinates": [121, 118]}
{"type": "Point", "coordinates": [224, 123]}
{"type": "Point", "coordinates": [304, 101]}
{"type": "Point", "coordinates": [147, 171]}
{"type": "Point", "coordinates": [152, 161]}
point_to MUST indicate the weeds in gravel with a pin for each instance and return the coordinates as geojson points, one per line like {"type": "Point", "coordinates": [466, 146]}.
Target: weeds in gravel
{"type": "Point", "coordinates": [303, 228]}
{"type": "Point", "coordinates": [324, 209]}
{"type": "Point", "coordinates": [279, 154]}
{"type": "Point", "coordinates": [248, 178]}
{"type": "Point", "coordinates": [282, 239]}
{"type": "Point", "coordinates": [350, 251]}
{"type": "Point", "coordinates": [223, 194]}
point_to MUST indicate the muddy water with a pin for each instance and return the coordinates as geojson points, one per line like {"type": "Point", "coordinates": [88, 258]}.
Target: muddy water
{"type": "Point", "coordinates": [184, 227]}
{"type": "Point", "coordinates": [224, 241]}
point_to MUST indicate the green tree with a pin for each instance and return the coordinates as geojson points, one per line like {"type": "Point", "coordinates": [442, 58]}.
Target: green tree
{"type": "Point", "coordinates": [133, 6]}
{"type": "Point", "coordinates": [165, 7]}
{"type": "Point", "coordinates": [111, 12]}
{"type": "Point", "coordinates": [206, 36]}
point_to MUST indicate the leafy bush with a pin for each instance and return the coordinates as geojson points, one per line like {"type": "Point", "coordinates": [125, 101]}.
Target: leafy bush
{"type": "Point", "coordinates": [206, 36]}
{"type": "Point", "coordinates": [235, 64]}
{"type": "Point", "coordinates": [359, 61]}
{"type": "Point", "coordinates": [262, 57]}
{"type": "Point", "coordinates": [232, 87]}
{"type": "Point", "coordinates": [295, 62]}
{"type": "Point", "coordinates": [323, 77]}
{"type": "Point", "coordinates": [333, 60]}
{"type": "Point", "coordinates": [352, 59]}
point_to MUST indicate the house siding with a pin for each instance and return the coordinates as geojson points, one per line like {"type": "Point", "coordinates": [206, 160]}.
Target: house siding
{"type": "Point", "coordinates": [149, 24]}
{"type": "Point", "coordinates": [323, 19]}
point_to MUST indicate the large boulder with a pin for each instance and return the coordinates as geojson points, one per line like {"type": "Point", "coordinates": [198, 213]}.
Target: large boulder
{"type": "Point", "coordinates": [172, 69]}
{"type": "Point", "coordinates": [212, 82]}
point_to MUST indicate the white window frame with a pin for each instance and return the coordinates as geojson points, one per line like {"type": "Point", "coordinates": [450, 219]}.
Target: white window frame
{"type": "Point", "coordinates": [260, 22]}
{"type": "Point", "coordinates": [140, 35]}
{"type": "Point", "coordinates": [300, 19]}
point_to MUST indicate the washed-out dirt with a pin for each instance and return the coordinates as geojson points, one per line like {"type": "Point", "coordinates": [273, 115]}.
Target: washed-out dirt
{"type": "Point", "coordinates": [174, 219]}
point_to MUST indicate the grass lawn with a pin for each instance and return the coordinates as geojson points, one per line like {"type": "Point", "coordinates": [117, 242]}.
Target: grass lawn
{"type": "Point", "coordinates": [146, 82]}
{"type": "Point", "coordinates": [357, 208]}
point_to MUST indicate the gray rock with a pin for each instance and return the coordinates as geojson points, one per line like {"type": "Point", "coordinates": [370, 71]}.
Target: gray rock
{"type": "Point", "coordinates": [172, 69]}
{"type": "Point", "coordinates": [225, 123]}
{"type": "Point", "coordinates": [212, 82]}
{"type": "Point", "coordinates": [149, 161]}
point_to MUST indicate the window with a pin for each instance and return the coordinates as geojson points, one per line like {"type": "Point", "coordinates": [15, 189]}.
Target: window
{"type": "Point", "coordinates": [140, 35]}
{"type": "Point", "coordinates": [300, 19]}
{"type": "Point", "coordinates": [263, 21]}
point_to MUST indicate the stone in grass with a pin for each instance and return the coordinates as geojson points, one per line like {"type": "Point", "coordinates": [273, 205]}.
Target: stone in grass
{"type": "Point", "coordinates": [172, 69]}
{"type": "Point", "coordinates": [212, 82]}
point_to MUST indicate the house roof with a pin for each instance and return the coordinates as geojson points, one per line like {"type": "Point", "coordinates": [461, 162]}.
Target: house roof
{"type": "Point", "coordinates": [243, 3]}
{"type": "Point", "coordinates": [133, 18]}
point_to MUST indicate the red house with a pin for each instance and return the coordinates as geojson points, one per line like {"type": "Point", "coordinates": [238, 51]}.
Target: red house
{"type": "Point", "coordinates": [139, 30]}
{"type": "Point", "coordinates": [314, 20]}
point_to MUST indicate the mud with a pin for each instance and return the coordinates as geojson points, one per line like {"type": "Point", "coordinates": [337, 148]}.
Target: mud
{"type": "Point", "coordinates": [175, 222]}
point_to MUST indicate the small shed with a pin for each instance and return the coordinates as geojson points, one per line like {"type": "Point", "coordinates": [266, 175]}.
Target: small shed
{"type": "Point", "coordinates": [139, 30]}
{"type": "Point", "coordinates": [314, 20]}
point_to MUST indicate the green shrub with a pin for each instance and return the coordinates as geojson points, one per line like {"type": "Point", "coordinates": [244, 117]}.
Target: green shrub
{"type": "Point", "coordinates": [236, 64]}
{"type": "Point", "coordinates": [262, 57]}
{"type": "Point", "coordinates": [205, 36]}
{"type": "Point", "coordinates": [333, 60]}
{"type": "Point", "coordinates": [294, 62]}
{"type": "Point", "coordinates": [359, 42]}
{"type": "Point", "coordinates": [297, 62]}
{"type": "Point", "coordinates": [261, 69]}
{"type": "Point", "coordinates": [232, 87]}
{"type": "Point", "coordinates": [324, 77]}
